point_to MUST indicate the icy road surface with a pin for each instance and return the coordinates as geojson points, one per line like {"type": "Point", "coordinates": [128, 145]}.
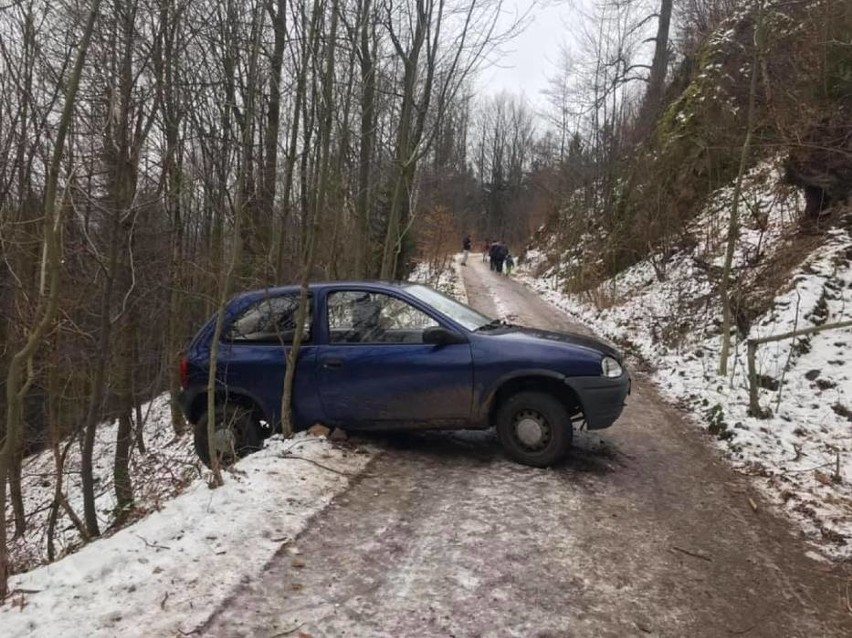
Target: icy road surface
{"type": "Point", "coordinates": [643, 531]}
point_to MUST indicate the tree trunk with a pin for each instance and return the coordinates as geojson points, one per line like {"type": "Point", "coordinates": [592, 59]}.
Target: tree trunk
{"type": "Point", "coordinates": [139, 420]}
{"type": "Point", "coordinates": [659, 64]}
{"type": "Point", "coordinates": [18, 376]}
{"type": "Point", "coordinates": [240, 211]}
{"type": "Point", "coordinates": [98, 391]}
{"type": "Point", "coordinates": [17, 495]}
{"type": "Point", "coordinates": [287, 419]}
{"type": "Point", "coordinates": [121, 468]}
{"type": "Point", "coordinates": [368, 136]}
{"type": "Point", "coordinates": [123, 143]}
{"type": "Point", "coordinates": [269, 181]}
{"type": "Point", "coordinates": [410, 135]}
{"type": "Point", "coordinates": [165, 58]}
{"type": "Point", "coordinates": [308, 38]}
{"type": "Point", "coordinates": [404, 161]}
{"type": "Point", "coordinates": [734, 223]}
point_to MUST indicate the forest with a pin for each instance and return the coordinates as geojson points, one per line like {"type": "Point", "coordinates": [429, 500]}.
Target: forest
{"type": "Point", "coordinates": [157, 156]}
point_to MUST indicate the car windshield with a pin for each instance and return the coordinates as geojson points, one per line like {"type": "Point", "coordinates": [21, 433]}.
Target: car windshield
{"type": "Point", "coordinates": [461, 314]}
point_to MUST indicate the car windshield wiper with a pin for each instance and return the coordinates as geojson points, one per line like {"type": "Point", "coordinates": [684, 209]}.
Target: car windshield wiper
{"type": "Point", "coordinates": [492, 325]}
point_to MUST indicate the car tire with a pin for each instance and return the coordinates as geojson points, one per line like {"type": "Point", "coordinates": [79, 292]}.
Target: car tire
{"type": "Point", "coordinates": [237, 430]}
{"type": "Point", "coordinates": [534, 428]}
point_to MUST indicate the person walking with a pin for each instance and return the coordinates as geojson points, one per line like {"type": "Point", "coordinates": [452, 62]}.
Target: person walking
{"type": "Point", "coordinates": [486, 248]}
{"type": "Point", "coordinates": [492, 253]}
{"type": "Point", "coordinates": [502, 251]}
{"type": "Point", "coordinates": [510, 263]}
{"type": "Point", "coordinates": [466, 249]}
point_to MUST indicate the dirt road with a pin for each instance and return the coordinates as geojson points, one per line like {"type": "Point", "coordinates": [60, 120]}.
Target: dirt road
{"type": "Point", "coordinates": [643, 531]}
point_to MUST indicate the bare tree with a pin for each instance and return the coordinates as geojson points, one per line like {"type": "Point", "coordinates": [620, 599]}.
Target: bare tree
{"type": "Point", "coordinates": [167, 57]}
{"type": "Point", "coordinates": [20, 372]}
{"type": "Point", "coordinates": [366, 49]}
{"type": "Point", "coordinates": [734, 221]}
{"type": "Point", "coordinates": [327, 110]}
{"type": "Point", "coordinates": [659, 63]}
{"type": "Point", "coordinates": [240, 207]}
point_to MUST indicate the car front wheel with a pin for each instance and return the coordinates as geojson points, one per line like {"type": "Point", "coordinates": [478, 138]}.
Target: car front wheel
{"type": "Point", "coordinates": [534, 428]}
{"type": "Point", "coordinates": [237, 434]}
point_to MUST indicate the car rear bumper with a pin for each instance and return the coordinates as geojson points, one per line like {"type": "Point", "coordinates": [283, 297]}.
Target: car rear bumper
{"type": "Point", "coordinates": [602, 398]}
{"type": "Point", "coordinates": [185, 401]}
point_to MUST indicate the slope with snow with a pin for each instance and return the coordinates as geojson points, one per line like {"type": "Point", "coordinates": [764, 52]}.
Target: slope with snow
{"type": "Point", "coordinates": [666, 311]}
{"type": "Point", "coordinates": [166, 467]}
{"type": "Point", "coordinates": [446, 279]}
{"type": "Point", "coordinates": [186, 548]}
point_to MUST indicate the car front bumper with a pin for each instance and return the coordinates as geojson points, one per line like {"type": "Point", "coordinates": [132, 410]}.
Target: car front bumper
{"type": "Point", "coordinates": [602, 398]}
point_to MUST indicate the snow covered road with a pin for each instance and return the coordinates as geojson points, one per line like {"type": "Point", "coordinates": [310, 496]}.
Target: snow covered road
{"type": "Point", "coordinates": [643, 531]}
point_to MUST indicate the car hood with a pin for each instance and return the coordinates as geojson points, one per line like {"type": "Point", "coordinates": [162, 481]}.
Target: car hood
{"type": "Point", "coordinates": [570, 338]}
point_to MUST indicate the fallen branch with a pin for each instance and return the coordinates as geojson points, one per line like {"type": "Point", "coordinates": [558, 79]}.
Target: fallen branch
{"type": "Point", "coordinates": [69, 511]}
{"type": "Point", "coordinates": [296, 444]}
{"type": "Point", "coordinates": [837, 476]}
{"type": "Point", "coordinates": [808, 469]}
{"type": "Point", "coordinates": [319, 465]}
{"type": "Point", "coordinates": [154, 545]}
{"type": "Point", "coordinates": [693, 554]}
{"type": "Point", "coordinates": [288, 632]}
{"type": "Point", "coordinates": [798, 450]}
{"type": "Point", "coordinates": [20, 590]}
{"type": "Point", "coordinates": [754, 408]}
{"type": "Point", "coordinates": [739, 632]}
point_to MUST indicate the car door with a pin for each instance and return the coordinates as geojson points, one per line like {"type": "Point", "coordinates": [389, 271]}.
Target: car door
{"type": "Point", "coordinates": [375, 369]}
{"type": "Point", "coordinates": [254, 351]}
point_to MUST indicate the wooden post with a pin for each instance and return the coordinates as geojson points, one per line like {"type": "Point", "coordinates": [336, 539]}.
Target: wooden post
{"type": "Point", "coordinates": [753, 403]}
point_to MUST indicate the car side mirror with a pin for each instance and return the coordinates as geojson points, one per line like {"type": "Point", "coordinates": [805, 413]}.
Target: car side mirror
{"type": "Point", "coordinates": [438, 336]}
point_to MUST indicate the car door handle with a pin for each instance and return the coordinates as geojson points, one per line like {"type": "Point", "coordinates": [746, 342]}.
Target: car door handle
{"type": "Point", "coordinates": [332, 363]}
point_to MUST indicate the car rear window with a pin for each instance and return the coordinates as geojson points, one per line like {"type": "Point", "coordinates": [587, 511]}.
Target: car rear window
{"type": "Point", "coordinates": [270, 320]}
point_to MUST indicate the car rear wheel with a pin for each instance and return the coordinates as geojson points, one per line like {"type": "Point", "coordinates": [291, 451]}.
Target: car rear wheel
{"type": "Point", "coordinates": [237, 434]}
{"type": "Point", "coordinates": [534, 428]}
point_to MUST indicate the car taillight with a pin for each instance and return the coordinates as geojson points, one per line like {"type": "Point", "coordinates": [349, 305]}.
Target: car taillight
{"type": "Point", "coordinates": [184, 372]}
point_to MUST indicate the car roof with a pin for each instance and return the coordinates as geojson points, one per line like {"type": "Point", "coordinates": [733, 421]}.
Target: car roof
{"type": "Point", "coordinates": [320, 285]}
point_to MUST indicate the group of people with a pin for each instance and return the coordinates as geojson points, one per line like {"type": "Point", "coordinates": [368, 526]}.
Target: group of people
{"type": "Point", "coordinates": [499, 256]}
{"type": "Point", "coordinates": [496, 252]}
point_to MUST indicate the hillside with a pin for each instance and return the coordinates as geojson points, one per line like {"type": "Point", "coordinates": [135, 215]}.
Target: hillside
{"type": "Point", "coordinates": [756, 120]}
{"type": "Point", "coordinates": [665, 311]}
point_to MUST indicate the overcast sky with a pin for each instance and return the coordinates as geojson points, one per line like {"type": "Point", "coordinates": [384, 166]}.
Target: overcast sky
{"type": "Point", "coordinates": [528, 60]}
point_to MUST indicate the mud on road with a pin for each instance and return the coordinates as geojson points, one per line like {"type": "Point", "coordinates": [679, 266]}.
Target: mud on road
{"type": "Point", "coordinates": [644, 530]}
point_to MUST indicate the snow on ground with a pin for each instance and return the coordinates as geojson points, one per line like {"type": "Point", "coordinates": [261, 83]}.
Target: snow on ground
{"type": "Point", "coordinates": [163, 471]}
{"type": "Point", "coordinates": [445, 276]}
{"type": "Point", "coordinates": [802, 454]}
{"type": "Point", "coordinates": [165, 574]}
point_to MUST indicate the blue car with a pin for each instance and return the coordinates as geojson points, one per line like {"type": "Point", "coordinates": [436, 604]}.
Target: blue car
{"type": "Point", "coordinates": [382, 356]}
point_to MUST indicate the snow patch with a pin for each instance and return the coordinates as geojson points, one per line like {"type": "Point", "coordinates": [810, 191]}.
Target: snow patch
{"type": "Point", "coordinates": [166, 467]}
{"type": "Point", "coordinates": [166, 573]}
{"type": "Point", "coordinates": [445, 277]}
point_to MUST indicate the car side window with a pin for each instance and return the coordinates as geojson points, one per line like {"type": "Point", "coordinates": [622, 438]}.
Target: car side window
{"type": "Point", "coordinates": [372, 317]}
{"type": "Point", "coordinates": [270, 320]}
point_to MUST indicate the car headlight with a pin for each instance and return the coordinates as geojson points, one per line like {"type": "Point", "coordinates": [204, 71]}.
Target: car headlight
{"type": "Point", "coordinates": [611, 368]}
